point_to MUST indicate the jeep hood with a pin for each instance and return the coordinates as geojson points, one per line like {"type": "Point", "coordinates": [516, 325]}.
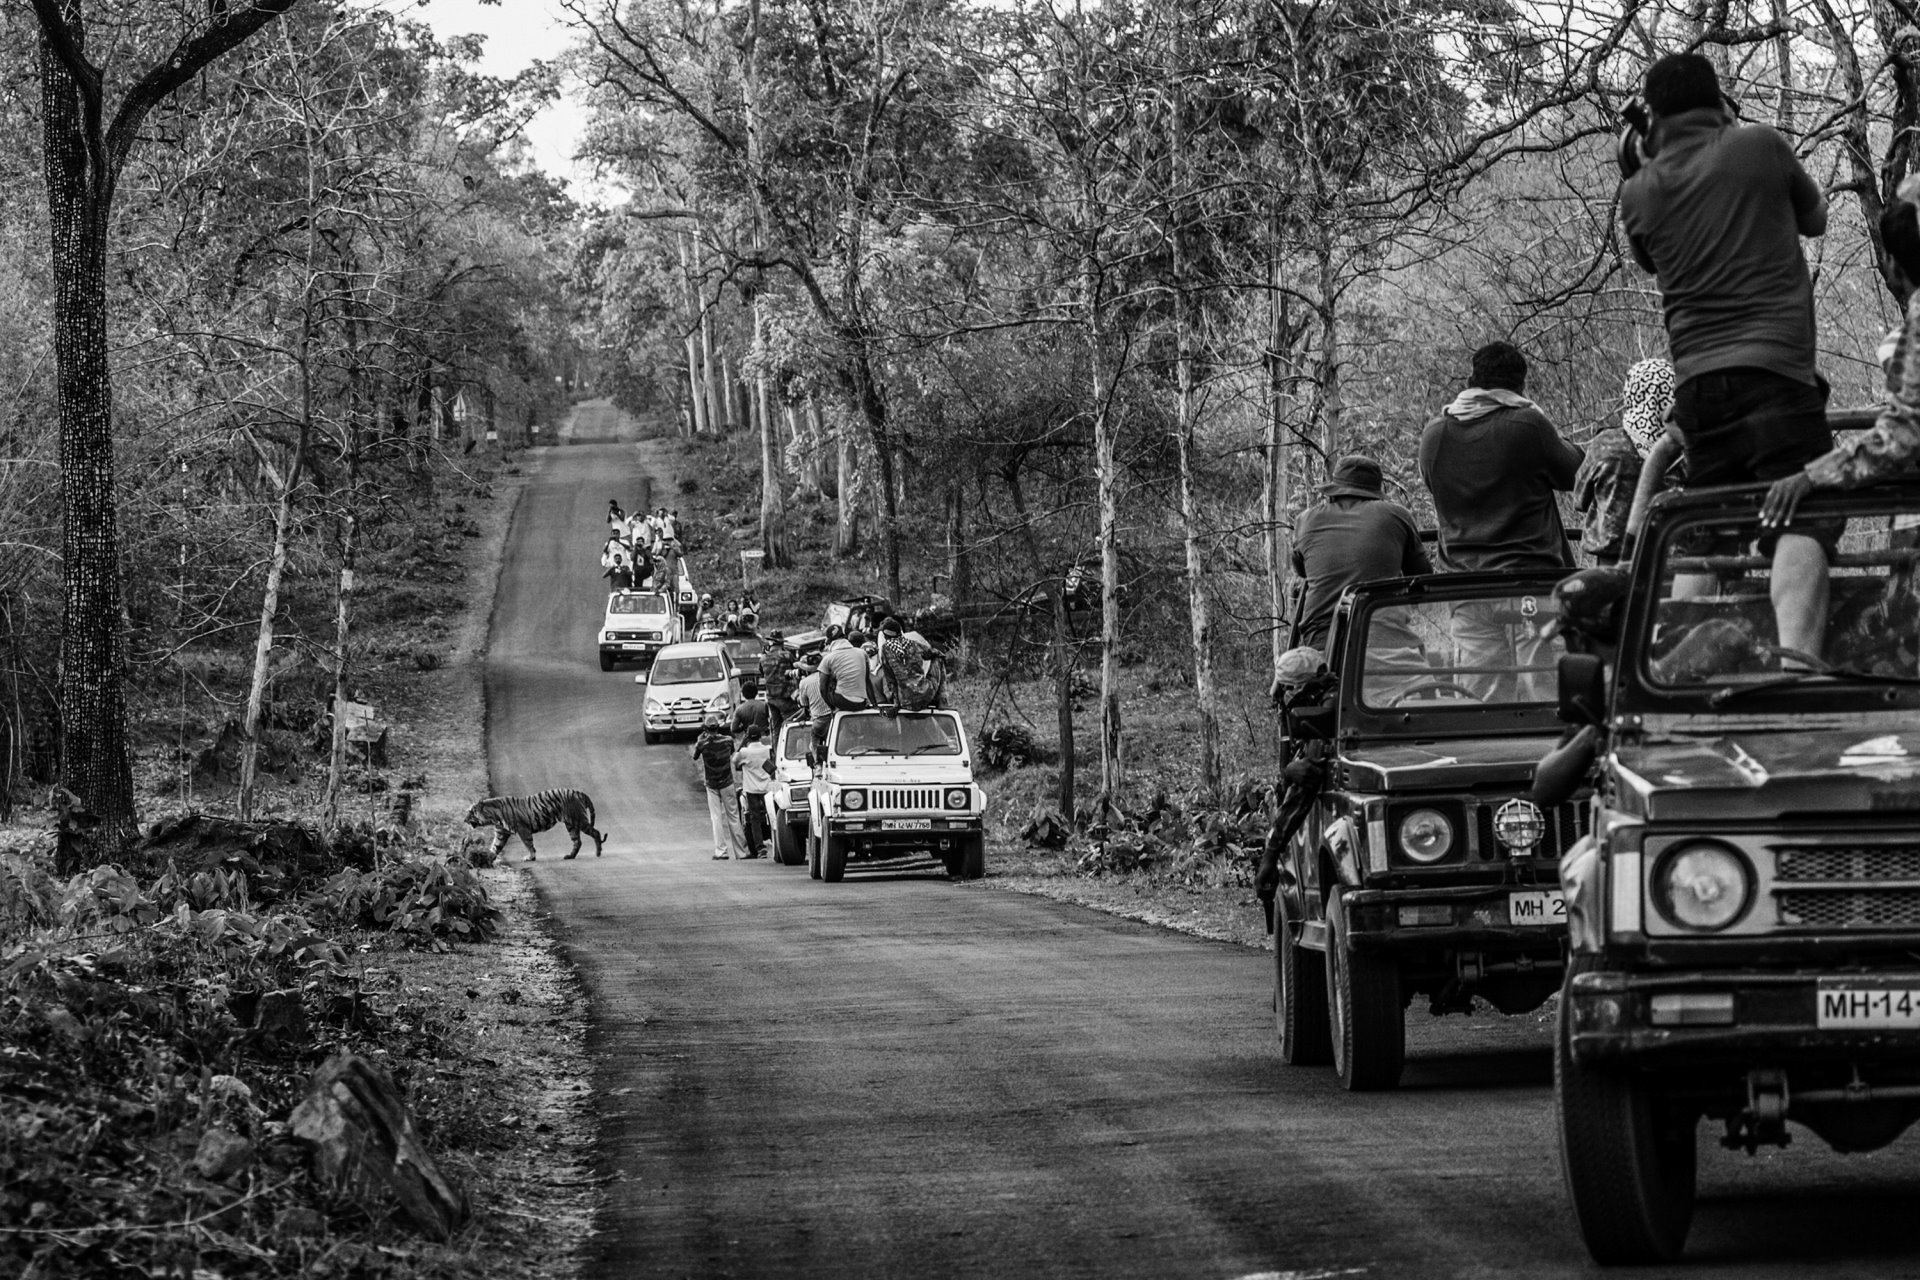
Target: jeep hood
{"type": "Point", "coordinates": [1763, 772]}
{"type": "Point", "coordinates": [1449, 762]}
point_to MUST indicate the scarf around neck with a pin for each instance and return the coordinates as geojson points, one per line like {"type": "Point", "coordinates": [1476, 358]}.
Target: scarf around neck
{"type": "Point", "coordinates": [1478, 402]}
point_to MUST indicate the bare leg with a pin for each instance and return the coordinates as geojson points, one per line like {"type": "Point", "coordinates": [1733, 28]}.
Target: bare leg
{"type": "Point", "coordinates": [1799, 589]}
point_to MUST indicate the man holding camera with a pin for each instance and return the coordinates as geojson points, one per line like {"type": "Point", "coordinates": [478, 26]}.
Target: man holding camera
{"type": "Point", "coordinates": [1715, 209]}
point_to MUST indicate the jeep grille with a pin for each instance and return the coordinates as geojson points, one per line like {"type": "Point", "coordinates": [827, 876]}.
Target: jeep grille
{"type": "Point", "coordinates": [1849, 908]}
{"type": "Point", "coordinates": [903, 797]}
{"type": "Point", "coordinates": [1892, 862]}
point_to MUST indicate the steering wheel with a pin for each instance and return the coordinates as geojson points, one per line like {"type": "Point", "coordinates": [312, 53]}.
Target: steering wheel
{"type": "Point", "coordinates": [1436, 686]}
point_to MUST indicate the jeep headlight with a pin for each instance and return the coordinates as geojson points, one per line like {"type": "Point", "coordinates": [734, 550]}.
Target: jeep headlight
{"type": "Point", "coordinates": [853, 800]}
{"type": "Point", "coordinates": [1426, 835]}
{"type": "Point", "coordinates": [1703, 886]}
{"type": "Point", "coordinates": [1519, 825]}
{"type": "Point", "coordinates": [959, 798]}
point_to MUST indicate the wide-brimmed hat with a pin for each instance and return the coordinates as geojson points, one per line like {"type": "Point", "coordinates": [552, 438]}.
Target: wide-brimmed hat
{"type": "Point", "coordinates": [1590, 602]}
{"type": "Point", "coordinates": [1354, 476]}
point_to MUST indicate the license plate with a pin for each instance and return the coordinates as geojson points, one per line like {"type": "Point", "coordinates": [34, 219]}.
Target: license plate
{"type": "Point", "coordinates": [633, 646]}
{"type": "Point", "coordinates": [1867, 1007]}
{"type": "Point", "coordinates": [906, 824]}
{"type": "Point", "coordinates": [1543, 906]}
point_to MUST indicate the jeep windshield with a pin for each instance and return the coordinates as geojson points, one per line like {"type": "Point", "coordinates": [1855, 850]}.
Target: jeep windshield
{"type": "Point", "coordinates": [795, 739]}
{"type": "Point", "coordinates": [1709, 633]}
{"type": "Point", "coordinates": [636, 602]}
{"type": "Point", "coordinates": [1450, 655]}
{"type": "Point", "coordinates": [899, 735]}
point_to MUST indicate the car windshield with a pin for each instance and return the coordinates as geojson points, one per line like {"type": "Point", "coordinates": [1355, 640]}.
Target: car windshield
{"type": "Point", "coordinates": [1712, 627]}
{"type": "Point", "coordinates": [901, 735]}
{"type": "Point", "coordinates": [1452, 655]}
{"type": "Point", "coordinates": [692, 668]}
{"type": "Point", "coordinates": [795, 739]}
{"type": "Point", "coordinates": [636, 602]}
{"type": "Point", "coordinates": [745, 648]}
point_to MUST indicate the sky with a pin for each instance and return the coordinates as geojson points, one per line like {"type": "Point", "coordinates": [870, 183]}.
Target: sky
{"type": "Point", "coordinates": [518, 32]}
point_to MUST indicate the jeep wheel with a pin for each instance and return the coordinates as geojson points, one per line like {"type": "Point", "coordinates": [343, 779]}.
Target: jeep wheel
{"type": "Point", "coordinates": [833, 856]}
{"type": "Point", "coordinates": [1368, 1025]}
{"type": "Point", "coordinates": [1629, 1159]}
{"type": "Point", "coordinates": [813, 855]}
{"type": "Point", "coordinates": [786, 845]}
{"type": "Point", "coordinates": [1299, 995]}
{"type": "Point", "coordinates": [606, 662]}
{"type": "Point", "coordinates": [970, 858]}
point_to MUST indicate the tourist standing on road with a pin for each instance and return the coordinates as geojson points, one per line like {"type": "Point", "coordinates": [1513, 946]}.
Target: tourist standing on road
{"type": "Point", "coordinates": [752, 762]}
{"type": "Point", "coordinates": [752, 713]}
{"type": "Point", "coordinates": [1715, 209]}
{"type": "Point", "coordinates": [1493, 463]}
{"type": "Point", "coordinates": [1355, 535]}
{"type": "Point", "coordinates": [777, 680]}
{"type": "Point", "coordinates": [714, 750]}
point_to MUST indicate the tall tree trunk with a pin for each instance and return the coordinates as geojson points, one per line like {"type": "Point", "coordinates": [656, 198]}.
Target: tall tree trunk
{"type": "Point", "coordinates": [959, 554]}
{"type": "Point", "coordinates": [1107, 478]}
{"type": "Point", "coordinates": [873, 409]}
{"type": "Point", "coordinates": [93, 713]}
{"type": "Point", "coordinates": [696, 389]}
{"type": "Point", "coordinates": [846, 533]}
{"type": "Point", "coordinates": [1329, 400]}
{"type": "Point", "coordinates": [1059, 645]}
{"type": "Point", "coordinates": [773, 497]}
{"type": "Point", "coordinates": [1274, 495]}
{"type": "Point", "coordinates": [263, 643]}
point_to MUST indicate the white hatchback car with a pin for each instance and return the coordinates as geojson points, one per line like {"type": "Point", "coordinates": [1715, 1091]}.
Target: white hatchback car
{"type": "Point", "coordinates": [687, 683]}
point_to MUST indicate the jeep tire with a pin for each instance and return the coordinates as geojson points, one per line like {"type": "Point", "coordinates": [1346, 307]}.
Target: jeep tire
{"type": "Point", "coordinates": [970, 857]}
{"type": "Point", "coordinates": [606, 662]}
{"type": "Point", "coordinates": [787, 844]}
{"type": "Point", "coordinates": [1629, 1159]}
{"type": "Point", "coordinates": [833, 855]}
{"type": "Point", "coordinates": [1368, 1022]}
{"type": "Point", "coordinates": [1299, 995]}
{"type": "Point", "coordinates": [813, 854]}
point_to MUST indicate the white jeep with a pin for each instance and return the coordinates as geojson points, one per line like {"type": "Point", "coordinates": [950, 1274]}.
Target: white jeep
{"type": "Point", "coordinates": [787, 802]}
{"type": "Point", "coordinates": [637, 625]}
{"type": "Point", "coordinates": [896, 782]}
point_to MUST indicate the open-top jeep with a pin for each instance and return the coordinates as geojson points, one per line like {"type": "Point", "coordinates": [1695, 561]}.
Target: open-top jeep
{"type": "Point", "coordinates": [1745, 919]}
{"type": "Point", "coordinates": [1422, 866]}
{"type": "Point", "coordinates": [895, 781]}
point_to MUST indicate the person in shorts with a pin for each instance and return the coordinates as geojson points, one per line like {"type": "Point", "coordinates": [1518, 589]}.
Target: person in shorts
{"type": "Point", "coordinates": [1715, 209]}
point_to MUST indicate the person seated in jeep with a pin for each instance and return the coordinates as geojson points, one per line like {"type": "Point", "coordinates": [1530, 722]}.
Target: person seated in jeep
{"type": "Point", "coordinates": [1355, 535]}
{"type": "Point", "coordinates": [1300, 681]}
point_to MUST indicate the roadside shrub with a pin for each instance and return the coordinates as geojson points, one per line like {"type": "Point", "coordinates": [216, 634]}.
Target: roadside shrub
{"type": "Point", "coordinates": [426, 898]}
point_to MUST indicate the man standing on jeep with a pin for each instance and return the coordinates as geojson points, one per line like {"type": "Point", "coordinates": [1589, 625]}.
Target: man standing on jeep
{"type": "Point", "coordinates": [1715, 209]}
{"type": "Point", "coordinates": [1494, 463]}
{"type": "Point", "coordinates": [1356, 535]}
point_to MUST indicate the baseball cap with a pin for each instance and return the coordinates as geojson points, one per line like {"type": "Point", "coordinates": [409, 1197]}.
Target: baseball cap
{"type": "Point", "coordinates": [1298, 665]}
{"type": "Point", "coordinates": [1589, 602]}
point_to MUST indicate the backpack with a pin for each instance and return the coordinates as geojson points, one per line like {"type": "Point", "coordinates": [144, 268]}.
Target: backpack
{"type": "Point", "coordinates": [920, 691]}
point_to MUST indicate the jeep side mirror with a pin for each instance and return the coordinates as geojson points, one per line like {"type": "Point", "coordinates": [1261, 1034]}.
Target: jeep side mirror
{"type": "Point", "coordinates": [1583, 689]}
{"type": "Point", "coordinates": [1312, 722]}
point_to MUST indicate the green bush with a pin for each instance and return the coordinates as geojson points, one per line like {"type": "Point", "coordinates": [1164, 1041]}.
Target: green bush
{"type": "Point", "coordinates": [427, 898]}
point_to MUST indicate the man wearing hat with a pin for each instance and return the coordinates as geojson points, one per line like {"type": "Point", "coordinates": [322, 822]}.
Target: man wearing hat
{"type": "Point", "coordinates": [1301, 679]}
{"type": "Point", "coordinates": [777, 680]}
{"type": "Point", "coordinates": [1356, 535]}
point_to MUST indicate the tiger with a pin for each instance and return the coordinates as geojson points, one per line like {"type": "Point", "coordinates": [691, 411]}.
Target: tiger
{"type": "Point", "coordinates": [524, 815]}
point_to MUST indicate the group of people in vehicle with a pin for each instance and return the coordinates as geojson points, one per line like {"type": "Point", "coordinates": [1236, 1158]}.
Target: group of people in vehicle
{"type": "Point", "coordinates": [642, 550]}
{"type": "Point", "coordinates": [1715, 208]}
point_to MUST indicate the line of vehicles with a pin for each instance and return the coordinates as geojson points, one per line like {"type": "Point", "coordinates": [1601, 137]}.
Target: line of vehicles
{"type": "Point", "coordinates": [1719, 877]}
{"type": "Point", "coordinates": [888, 784]}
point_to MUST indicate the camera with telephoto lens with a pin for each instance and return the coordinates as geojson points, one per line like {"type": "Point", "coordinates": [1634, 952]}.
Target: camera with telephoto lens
{"type": "Point", "coordinates": [1636, 138]}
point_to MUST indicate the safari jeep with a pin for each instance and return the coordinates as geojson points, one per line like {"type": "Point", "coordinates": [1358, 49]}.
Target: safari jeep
{"type": "Point", "coordinates": [1423, 867]}
{"type": "Point", "coordinates": [1745, 919]}
{"type": "Point", "coordinates": [892, 783]}
{"type": "Point", "coordinates": [787, 802]}
{"type": "Point", "coordinates": [638, 624]}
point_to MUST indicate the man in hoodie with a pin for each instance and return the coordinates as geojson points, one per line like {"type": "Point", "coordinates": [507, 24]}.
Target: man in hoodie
{"type": "Point", "coordinates": [1493, 463]}
{"type": "Point", "coordinates": [1715, 209]}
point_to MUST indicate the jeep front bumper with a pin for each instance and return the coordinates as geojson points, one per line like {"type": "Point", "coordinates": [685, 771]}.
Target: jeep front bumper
{"type": "Point", "coordinates": [1505, 919]}
{"type": "Point", "coordinates": [903, 829]}
{"type": "Point", "coordinates": [1737, 1017]}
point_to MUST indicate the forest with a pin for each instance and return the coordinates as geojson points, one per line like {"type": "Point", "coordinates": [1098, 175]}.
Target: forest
{"type": "Point", "coordinates": [1020, 293]}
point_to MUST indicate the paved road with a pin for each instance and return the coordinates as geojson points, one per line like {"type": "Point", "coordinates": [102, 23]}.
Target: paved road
{"type": "Point", "coordinates": [913, 1077]}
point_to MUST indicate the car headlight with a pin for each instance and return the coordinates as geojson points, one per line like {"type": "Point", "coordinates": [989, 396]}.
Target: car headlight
{"type": "Point", "coordinates": [1704, 886]}
{"type": "Point", "coordinates": [853, 801]}
{"type": "Point", "coordinates": [1519, 824]}
{"type": "Point", "coordinates": [959, 798]}
{"type": "Point", "coordinates": [1426, 835]}
{"type": "Point", "coordinates": [721, 702]}
{"type": "Point", "coordinates": [655, 708]}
